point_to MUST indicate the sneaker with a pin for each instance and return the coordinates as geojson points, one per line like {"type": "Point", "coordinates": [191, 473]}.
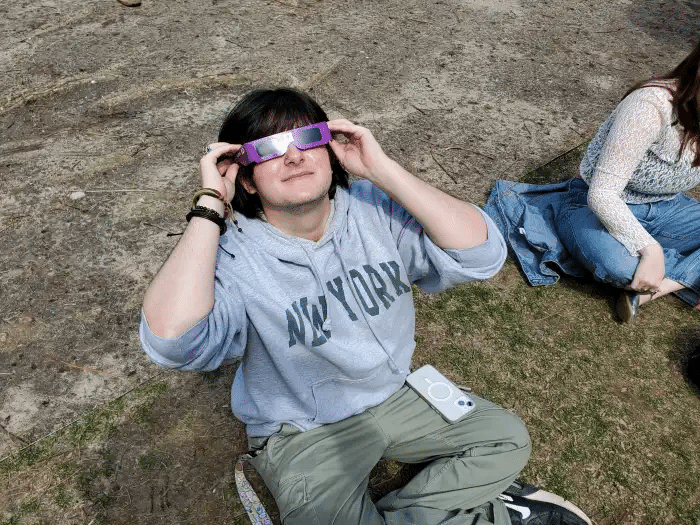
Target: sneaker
{"type": "Point", "coordinates": [528, 505]}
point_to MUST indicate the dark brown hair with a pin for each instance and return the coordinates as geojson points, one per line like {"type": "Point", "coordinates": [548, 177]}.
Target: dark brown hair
{"type": "Point", "coordinates": [685, 99]}
{"type": "Point", "coordinates": [264, 112]}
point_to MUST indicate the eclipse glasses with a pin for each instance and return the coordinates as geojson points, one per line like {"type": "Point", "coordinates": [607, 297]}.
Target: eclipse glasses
{"type": "Point", "coordinates": [274, 146]}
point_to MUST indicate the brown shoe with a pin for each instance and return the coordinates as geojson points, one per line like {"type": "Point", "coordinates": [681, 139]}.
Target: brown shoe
{"type": "Point", "coordinates": [130, 3]}
{"type": "Point", "coordinates": [627, 306]}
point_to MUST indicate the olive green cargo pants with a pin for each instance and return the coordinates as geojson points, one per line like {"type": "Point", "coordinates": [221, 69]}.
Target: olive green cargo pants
{"type": "Point", "coordinates": [320, 477]}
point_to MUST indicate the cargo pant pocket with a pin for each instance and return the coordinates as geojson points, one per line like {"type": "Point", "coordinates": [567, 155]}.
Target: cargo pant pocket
{"type": "Point", "coordinates": [294, 503]}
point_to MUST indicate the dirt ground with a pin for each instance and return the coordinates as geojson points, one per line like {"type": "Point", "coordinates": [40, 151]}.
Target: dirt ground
{"type": "Point", "coordinates": [105, 110]}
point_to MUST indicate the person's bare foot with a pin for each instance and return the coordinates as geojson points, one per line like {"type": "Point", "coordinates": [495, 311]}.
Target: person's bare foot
{"type": "Point", "coordinates": [130, 3]}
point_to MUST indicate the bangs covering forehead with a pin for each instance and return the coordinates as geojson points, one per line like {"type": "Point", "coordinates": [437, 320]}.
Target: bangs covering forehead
{"type": "Point", "coordinates": [266, 112]}
{"type": "Point", "coordinates": [282, 118]}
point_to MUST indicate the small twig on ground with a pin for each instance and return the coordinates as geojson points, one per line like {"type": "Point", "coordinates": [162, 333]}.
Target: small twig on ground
{"type": "Point", "coordinates": [115, 190]}
{"type": "Point", "coordinates": [320, 76]}
{"type": "Point", "coordinates": [81, 210]}
{"type": "Point", "coordinates": [443, 168]}
{"type": "Point", "coordinates": [62, 428]}
{"type": "Point", "coordinates": [474, 152]}
{"type": "Point", "coordinates": [237, 44]}
{"type": "Point", "coordinates": [14, 436]}
{"type": "Point", "coordinates": [160, 228]}
{"type": "Point", "coordinates": [418, 109]}
{"type": "Point", "coordinates": [610, 31]}
{"type": "Point", "coordinates": [78, 367]}
{"type": "Point", "coordinates": [11, 217]}
{"type": "Point", "coordinates": [500, 174]}
{"type": "Point", "coordinates": [565, 153]}
{"type": "Point", "coordinates": [82, 154]}
{"type": "Point", "coordinates": [142, 147]}
{"type": "Point", "coordinates": [293, 3]}
{"type": "Point", "coordinates": [402, 19]}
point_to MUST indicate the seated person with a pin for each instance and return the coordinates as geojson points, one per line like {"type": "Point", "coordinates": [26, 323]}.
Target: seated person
{"type": "Point", "coordinates": [625, 220]}
{"type": "Point", "coordinates": [632, 225]}
{"type": "Point", "coordinates": [308, 282]}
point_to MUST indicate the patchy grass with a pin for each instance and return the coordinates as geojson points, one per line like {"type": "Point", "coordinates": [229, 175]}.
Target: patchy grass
{"type": "Point", "coordinates": [161, 453]}
{"type": "Point", "coordinates": [614, 425]}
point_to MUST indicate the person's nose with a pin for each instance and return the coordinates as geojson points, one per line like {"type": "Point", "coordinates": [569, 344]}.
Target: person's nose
{"type": "Point", "coordinates": [294, 155]}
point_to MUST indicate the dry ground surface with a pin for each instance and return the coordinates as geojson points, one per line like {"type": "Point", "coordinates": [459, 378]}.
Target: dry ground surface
{"type": "Point", "coordinates": [117, 103]}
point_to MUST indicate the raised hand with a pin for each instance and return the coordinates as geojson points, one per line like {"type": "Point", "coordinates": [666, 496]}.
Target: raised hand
{"type": "Point", "coordinates": [360, 153]}
{"type": "Point", "coordinates": [220, 175]}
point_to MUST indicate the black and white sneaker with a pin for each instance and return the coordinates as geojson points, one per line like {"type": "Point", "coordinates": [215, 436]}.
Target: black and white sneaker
{"type": "Point", "coordinates": [528, 505]}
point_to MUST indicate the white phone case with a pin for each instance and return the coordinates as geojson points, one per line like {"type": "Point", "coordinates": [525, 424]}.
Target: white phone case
{"type": "Point", "coordinates": [441, 393]}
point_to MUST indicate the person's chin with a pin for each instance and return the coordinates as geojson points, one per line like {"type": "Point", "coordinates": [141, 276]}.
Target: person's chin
{"type": "Point", "coordinates": [307, 188]}
{"type": "Point", "coordinates": [304, 198]}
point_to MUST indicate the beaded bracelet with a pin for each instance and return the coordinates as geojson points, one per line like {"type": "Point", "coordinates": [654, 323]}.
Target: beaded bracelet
{"type": "Point", "coordinates": [208, 213]}
{"type": "Point", "coordinates": [211, 192]}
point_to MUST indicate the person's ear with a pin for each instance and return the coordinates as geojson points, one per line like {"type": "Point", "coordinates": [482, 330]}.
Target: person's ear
{"type": "Point", "coordinates": [248, 185]}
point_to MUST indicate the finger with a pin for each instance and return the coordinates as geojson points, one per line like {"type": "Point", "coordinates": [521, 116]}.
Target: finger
{"type": "Point", "coordinates": [220, 149]}
{"type": "Point", "coordinates": [347, 128]}
{"type": "Point", "coordinates": [217, 145]}
{"type": "Point", "coordinates": [231, 172]}
{"type": "Point", "coordinates": [341, 124]}
{"type": "Point", "coordinates": [645, 287]}
{"type": "Point", "coordinates": [639, 285]}
{"type": "Point", "coordinates": [223, 164]}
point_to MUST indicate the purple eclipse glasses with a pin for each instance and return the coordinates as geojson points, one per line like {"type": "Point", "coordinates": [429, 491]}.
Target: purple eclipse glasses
{"type": "Point", "coordinates": [276, 145]}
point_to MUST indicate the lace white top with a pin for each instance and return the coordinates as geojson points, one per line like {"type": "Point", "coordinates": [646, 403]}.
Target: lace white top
{"type": "Point", "coordinates": [634, 159]}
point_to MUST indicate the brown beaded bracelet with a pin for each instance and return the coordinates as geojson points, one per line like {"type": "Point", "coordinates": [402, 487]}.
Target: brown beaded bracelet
{"type": "Point", "coordinates": [208, 213]}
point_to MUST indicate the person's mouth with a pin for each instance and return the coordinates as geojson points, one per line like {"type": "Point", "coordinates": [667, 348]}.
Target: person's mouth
{"type": "Point", "coordinates": [297, 175]}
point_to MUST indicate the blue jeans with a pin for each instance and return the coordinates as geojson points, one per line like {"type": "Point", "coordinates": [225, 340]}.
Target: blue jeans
{"type": "Point", "coordinates": [675, 224]}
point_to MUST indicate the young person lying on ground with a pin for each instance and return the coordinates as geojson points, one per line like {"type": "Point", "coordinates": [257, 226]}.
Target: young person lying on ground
{"type": "Point", "coordinates": [310, 285]}
{"type": "Point", "coordinates": [626, 220]}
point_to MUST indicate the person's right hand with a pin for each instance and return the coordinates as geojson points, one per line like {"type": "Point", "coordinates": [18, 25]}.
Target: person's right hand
{"type": "Point", "coordinates": [650, 270]}
{"type": "Point", "coordinates": [220, 175]}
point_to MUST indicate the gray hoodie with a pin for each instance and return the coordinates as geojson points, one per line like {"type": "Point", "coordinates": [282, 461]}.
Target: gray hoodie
{"type": "Point", "coordinates": [325, 329]}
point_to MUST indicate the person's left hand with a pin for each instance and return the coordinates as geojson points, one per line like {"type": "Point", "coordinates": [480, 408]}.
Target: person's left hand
{"type": "Point", "coordinates": [650, 270]}
{"type": "Point", "coordinates": [360, 154]}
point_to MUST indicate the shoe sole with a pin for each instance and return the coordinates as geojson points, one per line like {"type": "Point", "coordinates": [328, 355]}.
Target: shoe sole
{"type": "Point", "coordinates": [548, 497]}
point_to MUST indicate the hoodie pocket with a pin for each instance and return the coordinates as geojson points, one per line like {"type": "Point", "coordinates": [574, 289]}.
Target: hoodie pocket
{"type": "Point", "coordinates": [339, 398]}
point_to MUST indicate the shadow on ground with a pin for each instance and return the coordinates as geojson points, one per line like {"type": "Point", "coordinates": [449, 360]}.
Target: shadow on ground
{"type": "Point", "coordinates": [675, 23]}
{"type": "Point", "coordinates": [686, 354]}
